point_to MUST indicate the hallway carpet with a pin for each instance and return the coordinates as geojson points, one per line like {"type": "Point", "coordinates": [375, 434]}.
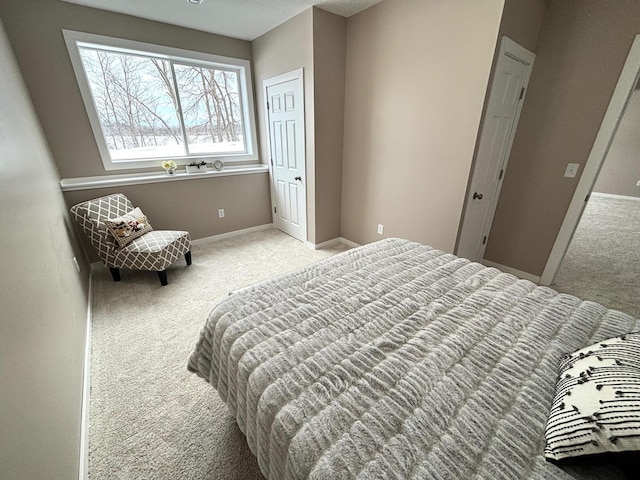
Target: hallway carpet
{"type": "Point", "coordinates": [603, 260]}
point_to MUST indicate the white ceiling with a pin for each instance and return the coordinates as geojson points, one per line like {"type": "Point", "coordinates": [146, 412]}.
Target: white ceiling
{"type": "Point", "coordinates": [244, 19]}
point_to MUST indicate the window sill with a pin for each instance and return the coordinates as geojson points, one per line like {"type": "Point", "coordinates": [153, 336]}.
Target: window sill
{"type": "Point", "coordinates": [105, 181]}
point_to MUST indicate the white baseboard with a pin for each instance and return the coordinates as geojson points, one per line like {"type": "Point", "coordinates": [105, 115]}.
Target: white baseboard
{"type": "Point", "coordinates": [266, 226]}
{"type": "Point", "coordinates": [613, 195]}
{"type": "Point", "coordinates": [83, 473]}
{"type": "Point", "coordinates": [349, 243]}
{"type": "Point", "coordinates": [512, 271]}
{"type": "Point", "coordinates": [332, 243]}
{"type": "Point", "coordinates": [329, 243]}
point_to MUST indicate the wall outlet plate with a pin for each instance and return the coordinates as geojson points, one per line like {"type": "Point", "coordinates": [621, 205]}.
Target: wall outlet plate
{"type": "Point", "coordinates": [638, 183]}
{"type": "Point", "coordinates": [572, 170]}
{"type": "Point", "coordinates": [221, 213]}
{"type": "Point", "coordinates": [380, 229]}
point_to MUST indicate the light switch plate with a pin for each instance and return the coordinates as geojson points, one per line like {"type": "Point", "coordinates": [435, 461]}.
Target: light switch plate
{"type": "Point", "coordinates": [572, 170]}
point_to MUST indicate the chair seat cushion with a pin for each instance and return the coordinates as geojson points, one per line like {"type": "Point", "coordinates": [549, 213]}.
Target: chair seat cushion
{"type": "Point", "coordinates": [155, 250]}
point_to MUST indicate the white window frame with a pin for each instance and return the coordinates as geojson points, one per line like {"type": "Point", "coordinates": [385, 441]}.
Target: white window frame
{"type": "Point", "coordinates": [75, 39]}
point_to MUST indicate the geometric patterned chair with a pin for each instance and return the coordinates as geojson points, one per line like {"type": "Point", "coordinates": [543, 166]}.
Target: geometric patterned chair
{"type": "Point", "coordinates": [153, 251]}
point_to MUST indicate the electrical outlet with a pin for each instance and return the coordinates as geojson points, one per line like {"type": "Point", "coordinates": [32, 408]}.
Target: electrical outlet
{"type": "Point", "coordinates": [221, 213]}
{"type": "Point", "coordinates": [75, 262]}
{"type": "Point", "coordinates": [380, 229]}
{"type": "Point", "coordinates": [572, 170]}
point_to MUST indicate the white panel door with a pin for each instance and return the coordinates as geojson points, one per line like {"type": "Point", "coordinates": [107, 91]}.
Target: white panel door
{"type": "Point", "coordinates": [285, 107]}
{"type": "Point", "coordinates": [500, 121]}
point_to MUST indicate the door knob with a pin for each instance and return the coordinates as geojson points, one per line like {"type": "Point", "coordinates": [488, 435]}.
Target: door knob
{"type": "Point", "coordinates": [477, 195]}
{"type": "Point", "coordinates": [298, 178]}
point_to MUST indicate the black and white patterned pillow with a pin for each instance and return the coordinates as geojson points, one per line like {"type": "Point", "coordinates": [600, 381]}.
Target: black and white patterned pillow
{"type": "Point", "coordinates": [596, 408]}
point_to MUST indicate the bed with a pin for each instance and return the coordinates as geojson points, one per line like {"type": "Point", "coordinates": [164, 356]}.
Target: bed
{"type": "Point", "coordinates": [397, 360]}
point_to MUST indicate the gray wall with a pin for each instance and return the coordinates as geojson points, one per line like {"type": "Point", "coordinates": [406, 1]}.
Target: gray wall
{"type": "Point", "coordinates": [521, 22]}
{"type": "Point", "coordinates": [34, 30]}
{"type": "Point", "coordinates": [329, 63]}
{"type": "Point", "coordinates": [193, 205]}
{"type": "Point", "coordinates": [283, 49]}
{"type": "Point", "coordinates": [44, 299]}
{"type": "Point", "coordinates": [582, 47]}
{"type": "Point", "coordinates": [621, 168]}
{"type": "Point", "coordinates": [315, 41]}
{"type": "Point", "coordinates": [416, 78]}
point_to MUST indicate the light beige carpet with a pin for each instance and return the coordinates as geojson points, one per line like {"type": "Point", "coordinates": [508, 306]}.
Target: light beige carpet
{"type": "Point", "coordinates": [149, 417]}
{"type": "Point", "coordinates": [603, 261]}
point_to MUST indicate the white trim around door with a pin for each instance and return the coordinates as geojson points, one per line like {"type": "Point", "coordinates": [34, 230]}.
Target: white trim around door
{"type": "Point", "coordinates": [619, 100]}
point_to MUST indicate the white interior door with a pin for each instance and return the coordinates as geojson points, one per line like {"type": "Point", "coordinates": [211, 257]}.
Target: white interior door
{"type": "Point", "coordinates": [285, 110]}
{"type": "Point", "coordinates": [506, 96]}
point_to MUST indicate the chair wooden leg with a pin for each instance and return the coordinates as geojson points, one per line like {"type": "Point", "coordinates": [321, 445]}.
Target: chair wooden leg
{"type": "Point", "coordinates": [115, 273]}
{"type": "Point", "coordinates": [162, 275]}
{"type": "Point", "coordinates": [187, 257]}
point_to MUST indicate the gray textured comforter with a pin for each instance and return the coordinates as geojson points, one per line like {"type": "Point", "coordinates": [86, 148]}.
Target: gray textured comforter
{"type": "Point", "coordinates": [395, 360]}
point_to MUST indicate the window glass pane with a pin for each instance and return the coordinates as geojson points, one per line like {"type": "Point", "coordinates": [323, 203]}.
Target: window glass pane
{"type": "Point", "coordinates": [136, 104]}
{"type": "Point", "coordinates": [210, 101]}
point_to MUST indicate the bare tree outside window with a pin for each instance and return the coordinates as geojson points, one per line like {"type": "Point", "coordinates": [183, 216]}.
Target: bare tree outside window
{"type": "Point", "coordinates": [133, 103]}
{"type": "Point", "coordinates": [211, 108]}
{"type": "Point", "coordinates": [144, 113]}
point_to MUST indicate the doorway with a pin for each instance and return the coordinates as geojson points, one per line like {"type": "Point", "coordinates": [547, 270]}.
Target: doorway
{"type": "Point", "coordinates": [612, 119]}
{"type": "Point", "coordinates": [506, 96]}
{"type": "Point", "coordinates": [602, 262]}
{"type": "Point", "coordinates": [284, 104]}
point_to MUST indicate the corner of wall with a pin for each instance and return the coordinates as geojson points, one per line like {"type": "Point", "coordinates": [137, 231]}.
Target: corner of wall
{"type": "Point", "coordinates": [329, 69]}
{"type": "Point", "coordinates": [283, 49]}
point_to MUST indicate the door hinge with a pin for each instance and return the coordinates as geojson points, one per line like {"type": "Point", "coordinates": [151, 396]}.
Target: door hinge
{"type": "Point", "coordinates": [271, 161]}
{"type": "Point", "coordinates": [586, 199]}
{"type": "Point", "coordinates": [521, 93]}
{"type": "Point", "coordinates": [268, 107]}
{"type": "Point", "coordinates": [275, 209]}
{"type": "Point", "coordinates": [484, 240]}
{"type": "Point", "coordinates": [500, 176]}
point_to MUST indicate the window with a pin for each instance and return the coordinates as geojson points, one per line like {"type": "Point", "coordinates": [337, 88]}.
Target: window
{"type": "Point", "coordinates": [148, 103]}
